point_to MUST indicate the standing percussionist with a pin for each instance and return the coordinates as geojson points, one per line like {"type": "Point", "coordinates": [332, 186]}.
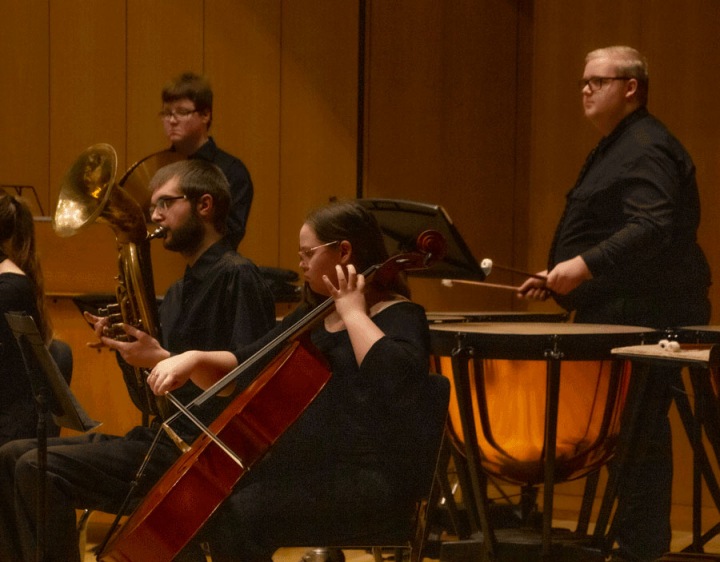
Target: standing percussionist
{"type": "Point", "coordinates": [625, 252]}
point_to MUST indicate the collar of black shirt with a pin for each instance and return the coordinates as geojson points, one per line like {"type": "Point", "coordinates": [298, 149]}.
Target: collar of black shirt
{"type": "Point", "coordinates": [627, 122]}
{"type": "Point", "coordinates": [209, 258]}
{"type": "Point", "coordinates": [205, 152]}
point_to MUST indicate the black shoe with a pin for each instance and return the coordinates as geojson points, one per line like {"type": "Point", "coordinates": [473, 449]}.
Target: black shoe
{"type": "Point", "coordinates": [620, 556]}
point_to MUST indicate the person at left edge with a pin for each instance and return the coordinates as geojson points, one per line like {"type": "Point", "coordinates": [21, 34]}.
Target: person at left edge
{"type": "Point", "coordinates": [187, 114]}
{"type": "Point", "coordinates": [220, 301]}
{"type": "Point", "coordinates": [21, 290]}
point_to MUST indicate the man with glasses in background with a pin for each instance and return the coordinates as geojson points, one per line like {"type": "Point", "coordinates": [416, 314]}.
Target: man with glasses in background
{"type": "Point", "coordinates": [625, 252]}
{"type": "Point", "coordinates": [187, 116]}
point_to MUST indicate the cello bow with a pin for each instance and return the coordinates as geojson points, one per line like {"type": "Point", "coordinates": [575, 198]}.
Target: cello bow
{"type": "Point", "coordinates": [204, 476]}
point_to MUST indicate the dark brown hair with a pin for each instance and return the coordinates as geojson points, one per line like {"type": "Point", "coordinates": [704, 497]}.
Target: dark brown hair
{"type": "Point", "coordinates": [193, 87]}
{"type": "Point", "coordinates": [349, 220]}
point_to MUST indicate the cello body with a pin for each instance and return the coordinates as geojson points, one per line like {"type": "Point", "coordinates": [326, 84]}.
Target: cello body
{"type": "Point", "coordinates": [174, 510]}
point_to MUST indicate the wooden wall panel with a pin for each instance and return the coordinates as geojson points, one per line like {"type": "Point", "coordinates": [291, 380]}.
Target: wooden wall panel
{"type": "Point", "coordinates": [442, 125]}
{"type": "Point", "coordinates": [242, 60]}
{"type": "Point", "coordinates": [680, 40]}
{"type": "Point", "coordinates": [24, 149]}
{"type": "Point", "coordinates": [318, 112]}
{"type": "Point", "coordinates": [164, 38]}
{"type": "Point", "coordinates": [87, 82]}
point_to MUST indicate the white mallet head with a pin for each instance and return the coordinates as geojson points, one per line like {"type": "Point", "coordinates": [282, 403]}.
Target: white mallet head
{"type": "Point", "coordinates": [486, 266]}
{"type": "Point", "coordinates": [447, 283]}
{"type": "Point", "coordinates": [671, 345]}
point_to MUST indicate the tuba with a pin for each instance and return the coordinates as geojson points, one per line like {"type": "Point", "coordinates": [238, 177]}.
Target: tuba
{"type": "Point", "coordinates": [89, 194]}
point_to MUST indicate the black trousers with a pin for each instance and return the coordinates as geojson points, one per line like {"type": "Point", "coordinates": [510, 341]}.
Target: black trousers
{"type": "Point", "coordinates": [280, 502]}
{"type": "Point", "coordinates": [92, 471]}
{"type": "Point", "coordinates": [645, 500]}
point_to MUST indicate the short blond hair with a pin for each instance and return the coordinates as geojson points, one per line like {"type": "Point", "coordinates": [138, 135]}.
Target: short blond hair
{"type": "Point", "coordinates": [629, 63]}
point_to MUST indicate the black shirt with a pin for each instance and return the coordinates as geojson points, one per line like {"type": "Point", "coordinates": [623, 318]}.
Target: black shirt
{"type": "Point", "coordinates": [220, 302]}
{"type": "Point", "coordinates": [241, 188]}
{"type": "Point", "coordinates": [360, 415]}
{"type": "Point", "coordinates": [633, 217]}
{"type": "Point", "coordinates": [18, 418]}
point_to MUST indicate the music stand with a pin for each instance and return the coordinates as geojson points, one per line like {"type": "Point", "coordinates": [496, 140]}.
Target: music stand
{"type": "Point", "coordinates": [52, 395]}
{"type": "Point", "coordinates": [401, 222]}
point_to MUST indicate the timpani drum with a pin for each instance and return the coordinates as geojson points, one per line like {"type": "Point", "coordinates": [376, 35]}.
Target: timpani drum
{"type": "Point", "coordinates": [513, 370]}
{"type": "Point", "coordinates": [697, 334]}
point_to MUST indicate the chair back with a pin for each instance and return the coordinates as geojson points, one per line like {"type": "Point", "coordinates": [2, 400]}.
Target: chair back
{"type": "Point", "coordinates": [426, 432]}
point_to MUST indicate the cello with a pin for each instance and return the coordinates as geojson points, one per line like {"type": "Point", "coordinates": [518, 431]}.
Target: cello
{"type": "Point", "coordinates": [293, 374]}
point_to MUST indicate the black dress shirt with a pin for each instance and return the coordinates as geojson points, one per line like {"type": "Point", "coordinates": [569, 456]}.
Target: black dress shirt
{"type": "Point", "coordinates": [220, 302]}
{"type": "Point", "coordinates": [633, 216]}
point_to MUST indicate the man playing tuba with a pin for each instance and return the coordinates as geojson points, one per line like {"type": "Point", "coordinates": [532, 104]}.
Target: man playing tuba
{"type": "Point", "coordinates": [220, 301]}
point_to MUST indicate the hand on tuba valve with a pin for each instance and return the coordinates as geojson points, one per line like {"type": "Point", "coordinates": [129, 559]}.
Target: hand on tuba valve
{"type": "Point", "coordinates": [138, 348]}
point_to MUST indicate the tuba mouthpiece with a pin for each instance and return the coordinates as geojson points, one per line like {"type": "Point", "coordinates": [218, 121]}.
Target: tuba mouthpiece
{"type": "Point", "coordinates": [159, 232]}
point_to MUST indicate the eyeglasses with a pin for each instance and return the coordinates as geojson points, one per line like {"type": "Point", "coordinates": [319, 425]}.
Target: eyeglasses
{"type": "Point", "coordinates": [308, 254]}
{"type": "Point", "coordinates": [597, 82]}
{"type": "Point", "coordinates": [178, 114]}
{"type": "Point", "coordinates": [165, 202]}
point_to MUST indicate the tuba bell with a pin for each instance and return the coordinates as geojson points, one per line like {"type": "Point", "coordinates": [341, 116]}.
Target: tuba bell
{"type": "Point", "coordinates": [89, 194]}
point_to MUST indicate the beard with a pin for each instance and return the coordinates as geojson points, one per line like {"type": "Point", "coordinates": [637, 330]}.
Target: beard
{"type": "Point", "coordinates": [187, 237]}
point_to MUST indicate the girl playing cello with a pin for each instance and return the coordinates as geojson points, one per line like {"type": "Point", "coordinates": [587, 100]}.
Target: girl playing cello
{"type": "Point", "coordinates": [340, 472]}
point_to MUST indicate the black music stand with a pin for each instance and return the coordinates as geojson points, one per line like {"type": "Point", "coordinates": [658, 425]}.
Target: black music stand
{"type": "Point", "coordinates": [402, 221]}
{"type": "Point", "coordinates": [52, 395]}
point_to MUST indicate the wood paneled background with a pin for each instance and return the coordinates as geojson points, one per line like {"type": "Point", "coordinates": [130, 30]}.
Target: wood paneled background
{"type": "Point", "coordinates": [470, 104]}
